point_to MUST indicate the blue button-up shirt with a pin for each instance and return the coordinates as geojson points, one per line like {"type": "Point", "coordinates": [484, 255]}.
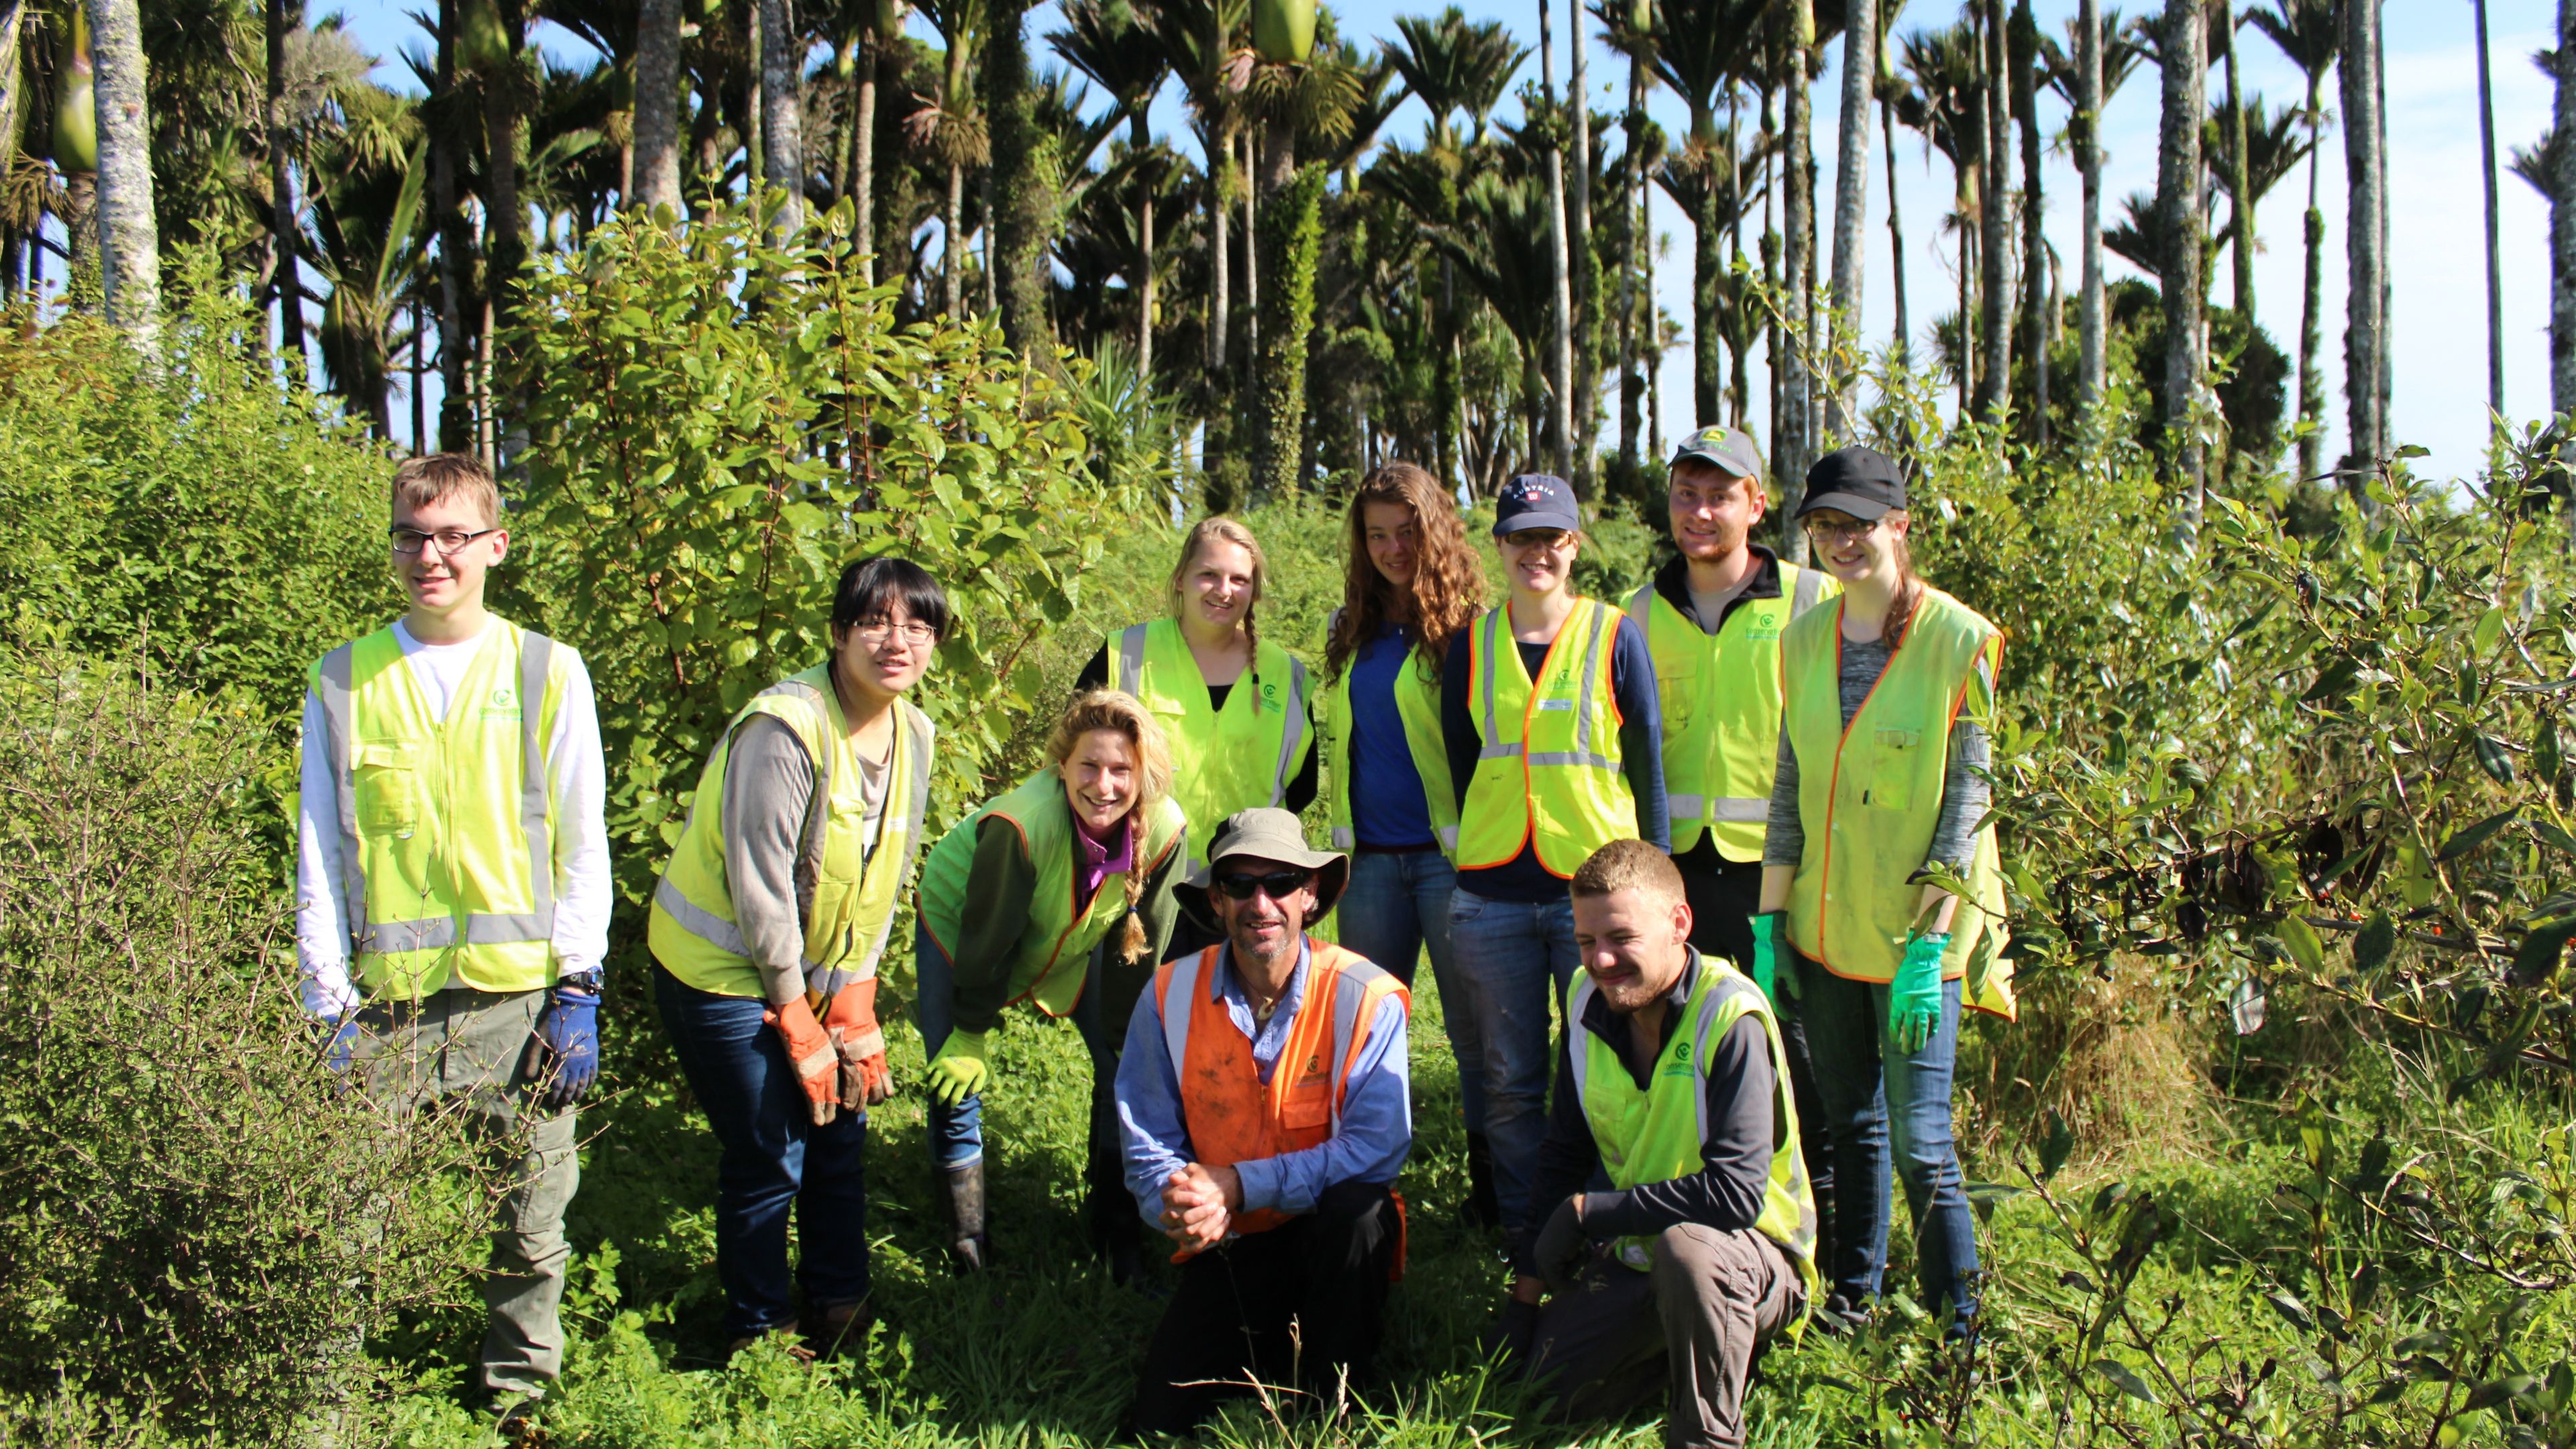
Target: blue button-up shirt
{"type": "Point", "coordinates": [1377, 1109]}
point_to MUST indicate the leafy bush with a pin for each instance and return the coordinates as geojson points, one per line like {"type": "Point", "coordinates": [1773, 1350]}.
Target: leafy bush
{"type": "Point", "coordinates": [234, 524]}
{"type": "Point", "coordinates": [200, 1227]}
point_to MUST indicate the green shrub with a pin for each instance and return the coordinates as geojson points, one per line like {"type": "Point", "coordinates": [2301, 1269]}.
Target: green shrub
{"type": "Point", "coordinates": [200, 1227]}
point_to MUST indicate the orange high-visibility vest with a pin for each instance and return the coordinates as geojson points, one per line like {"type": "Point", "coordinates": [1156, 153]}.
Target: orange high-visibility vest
{"type": "Point", "coordinates": [1230, 1115]}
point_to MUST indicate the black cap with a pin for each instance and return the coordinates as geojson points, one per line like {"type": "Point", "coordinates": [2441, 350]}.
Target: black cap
{"type": "Point", "coordinates": [1536, 500]}
{"type": "Point", "coordinates": [1858, 481]}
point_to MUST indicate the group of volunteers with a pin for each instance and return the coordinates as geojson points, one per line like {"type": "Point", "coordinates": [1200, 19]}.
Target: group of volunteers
{"type": "Point", "coordinates": [1689, 856]}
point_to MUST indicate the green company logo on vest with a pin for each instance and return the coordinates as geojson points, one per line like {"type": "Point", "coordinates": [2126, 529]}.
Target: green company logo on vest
{"type": "Point", "coordinates": [503, 703]}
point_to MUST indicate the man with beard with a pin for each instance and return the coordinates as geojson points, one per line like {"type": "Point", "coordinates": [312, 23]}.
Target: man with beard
{"type": "Point", "coordinates": [1263, 1102]}
{"type": "Point", "coordinates": [1713, 617]}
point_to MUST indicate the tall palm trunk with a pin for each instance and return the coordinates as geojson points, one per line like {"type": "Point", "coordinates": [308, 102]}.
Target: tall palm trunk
{"type": "Point", "coordinates": [1851, 198]}
{"type": "Point", "coordinates": [1635, 211]}
{"type": "Point", "coordinates": [2240, 181]}
{"type": "Point", "coordinates": [952, 247]}
{"type": "Point", "coordinates": [2562, 218]}
{"type": "Point", "coordinates": [1904, 334]}
{"type": "Point", "coordinates": [128, 235]}
{"type": "Point", "coordinates": [2365, 339]}
{"type": "Point", "coordinates": [2034, 244]}
{"type": "Point", "coordinates": [782, 112]}
{"type": "Point", "coordinates": [863, 150]}
{"type": "Point", "coordinates": [657, 105]}
{"type": "Point", "coordinates": [1587, 267]}
{"type": "Point", "coordinates": [1018, 222]}
{"type": "Point", "coordinates": [2088, 159]}
{"type": "Point", "coordinates": [419, 410]}
{"type": "Point", "coordinates": [1708, 269]}
{"type": "Point", "coordinates": [1560, 361]}
{"type": "Point", "coordinates": [1792, 445]}
{"type": "Point", "coordinates": [2178, 192]}
{"type": "Point", "coordinates": [502, 126]}
{"type": "Point", "coordinates": [1994, 227]}
{"type": "Point", "coordinates": [2312, 228]}
{"type": "Point", "coordinates": [455, 241]}
{"type": "Point", "coordinates": [2495, 262]}
{"type": "Point", "coordinates": [279, 16]}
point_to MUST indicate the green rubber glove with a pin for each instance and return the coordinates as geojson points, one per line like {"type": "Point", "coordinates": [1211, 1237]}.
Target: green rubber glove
{"type": "Point", "coordinates": [959, 1071]}
{"type": "Point", "coordinates": [1914, 997]}
{"type": "Point", "coordinates": [1770, 949]}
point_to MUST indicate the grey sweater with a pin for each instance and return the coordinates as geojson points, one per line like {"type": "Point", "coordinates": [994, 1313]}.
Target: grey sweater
{"type": "Point", "coordinates": [768, 807]}
{"type": "Point", "coordinates": [1965, 793]}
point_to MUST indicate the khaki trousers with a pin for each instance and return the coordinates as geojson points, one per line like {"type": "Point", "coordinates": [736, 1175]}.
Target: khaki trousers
{"type": "Point", "coordinates": [461, 1045]}
{"type": "Point", "coordinates": [1692, 1322]}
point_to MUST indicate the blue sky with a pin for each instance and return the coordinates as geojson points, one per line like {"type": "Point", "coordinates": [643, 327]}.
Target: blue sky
{"type": "Point", "coordinates": [2434, 221]}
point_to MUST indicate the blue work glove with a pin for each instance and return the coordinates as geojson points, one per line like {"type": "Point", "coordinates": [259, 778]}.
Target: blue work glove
{"type": "Point", "coordinates": [1914, 997]}
{"type": "Point", "coordinates": [563, 1056]}
{"type": "Point", "coordinates": [960, 1070]}
{"type": "Point", "coordinates": [1770, 955]}
{"type": "Point", "coordinates": [343, 1046]}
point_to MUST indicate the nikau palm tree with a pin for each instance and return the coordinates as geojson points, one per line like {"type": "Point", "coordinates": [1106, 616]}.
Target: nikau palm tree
{"type": "Point", "coordinates": [2310, 33]}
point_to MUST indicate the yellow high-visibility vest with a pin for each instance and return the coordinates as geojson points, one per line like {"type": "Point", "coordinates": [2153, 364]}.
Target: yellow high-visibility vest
{"type": "Point", "coordinates": [1656, 1134]}
{"type": "Point", "coordinates": [846, 891]}
{"type": "Point", "coordinates": [1054, 949]}
{"type": "Point", "coordinates": [1417, 703]}
{"type": "Point", "coordinates": [1222, 760]}
{"type": "Point", "coordinates": [446, 825]}
{"type": "Point", "coordinates": [1721, 709]}
{"type": "Point", "coordinates": [1548, 773]}
{"type": "Point", "coordinates": [1869, 797]}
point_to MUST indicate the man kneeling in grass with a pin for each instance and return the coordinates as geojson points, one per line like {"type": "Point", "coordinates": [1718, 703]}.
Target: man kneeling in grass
{"type": "Point", "coordinates": [1704, 1251]}
{"type": "Point", "coordinates": [1262, 1099]}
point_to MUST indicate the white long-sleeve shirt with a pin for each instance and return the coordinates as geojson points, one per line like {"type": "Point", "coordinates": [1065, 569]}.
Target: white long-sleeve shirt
{"type": "Point", "coordinates": [578, 782]}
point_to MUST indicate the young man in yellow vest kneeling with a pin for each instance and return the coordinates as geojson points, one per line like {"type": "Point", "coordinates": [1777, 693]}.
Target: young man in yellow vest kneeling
{"type": "Point", "coordinates": [1704, 1249]}
{"type": "Point", "coordinates": [452, 891]}
{"type": "Point", "coordinates": [1264, 1107]}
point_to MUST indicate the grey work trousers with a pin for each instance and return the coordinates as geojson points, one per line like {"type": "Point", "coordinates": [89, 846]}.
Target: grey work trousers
{"type": "Point", "coordinates": [1692, 1322]}
{"type": "Point", "coordinates": [463, 1044]}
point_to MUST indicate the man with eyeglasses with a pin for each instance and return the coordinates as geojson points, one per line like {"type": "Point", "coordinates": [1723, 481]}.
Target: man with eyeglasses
{"type": "Point", "coordinates": [1264, 1108]}
{"type": "Point", "coordinates": [452, 888]}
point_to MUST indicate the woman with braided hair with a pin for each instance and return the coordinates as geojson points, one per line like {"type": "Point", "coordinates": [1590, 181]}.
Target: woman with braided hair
{"type": "Point", "coordinates": [1014, 900]}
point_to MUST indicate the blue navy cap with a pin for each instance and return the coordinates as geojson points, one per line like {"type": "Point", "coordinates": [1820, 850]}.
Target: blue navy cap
{"type": "Point", "coordinates": [1536, 500]}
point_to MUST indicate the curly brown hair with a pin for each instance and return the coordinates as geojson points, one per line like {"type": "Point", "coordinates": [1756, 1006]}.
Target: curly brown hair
{"type": "Point", "coordinates": [1448, 583]}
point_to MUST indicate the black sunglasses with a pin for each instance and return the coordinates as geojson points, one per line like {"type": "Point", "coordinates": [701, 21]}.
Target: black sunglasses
{"type": "Point", "coordinates": [1278, 883]}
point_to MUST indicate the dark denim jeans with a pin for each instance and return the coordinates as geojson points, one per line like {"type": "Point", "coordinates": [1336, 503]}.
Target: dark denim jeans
{"type": "Point", "coordinates": [774, 1157]}
{"type": "Point", "coordinates": [1395, 908]}
{"type": "Point", "coordinates": [1514, 958]}
{"type": "Point", "coordinates": [957, 1133]}
{"type": "Point", "coordinates": [1881, 1104]}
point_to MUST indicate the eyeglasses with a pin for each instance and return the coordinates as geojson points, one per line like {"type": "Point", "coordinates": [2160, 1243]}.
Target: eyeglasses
{"type": "Point", "coordinates": [408, 541]}
{"type": "Point", "coordinates": [1846, 531]}
{"type": "Point", "coordinates": [1279, 883]}
{"type": "Point", "coordinates": [875, 632]}
{"type": "Point", "coordinates": [1548, 538]}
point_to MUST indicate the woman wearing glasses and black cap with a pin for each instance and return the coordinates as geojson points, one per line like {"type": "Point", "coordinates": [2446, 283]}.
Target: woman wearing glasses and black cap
{"type": "Point", "coordinates": [767, 928]}
{"type": "Point", "coordinates": [1878, 809]}
{"type": "Point", "coordinates": [1555, 738]}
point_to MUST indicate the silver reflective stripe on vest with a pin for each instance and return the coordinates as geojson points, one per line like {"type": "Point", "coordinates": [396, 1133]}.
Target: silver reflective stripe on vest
{"type": "Point", "coordinates": [1131, 657]}
{"type": "Point", "coordinates": [1580, 1056]}
{"type": "Point", "coordinates": [1684, 808]}
{"type": "Point", "coordinates": [1491, 750]}
{"type": "Point", "coordinates": [704, 924]}
{"type": "Point", "coordinates": [1641, 604]}
{"type": "Point", "coordinates": [1292, 733]}
{"type": "Point", "coordinates": [1350, 988]}
{"type": "Point", "coordinates": [1740, 810]}
{"type": "Point", "coordinates": [536, 653]}
{"type": "Point", "coordinates": [1584, 716]}
{"type": "Point", "coordinates": [1344, 838]}
{"type": "Point", "coordinates": [1449, 838]}
{"type": "Point", "coordinates": [1177, 1001]}
{"type": "Point", "coordinates": [1811, 582]}
{"type": "Point", "coordinates": [333, 680]}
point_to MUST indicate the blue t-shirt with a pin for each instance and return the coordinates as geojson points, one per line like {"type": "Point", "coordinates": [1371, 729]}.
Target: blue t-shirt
{"type": "Point", "coordinates": [1387, 806]}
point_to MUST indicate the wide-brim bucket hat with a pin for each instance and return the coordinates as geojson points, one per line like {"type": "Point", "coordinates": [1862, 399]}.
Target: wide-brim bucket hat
{"type": "Point", "coordinates": [1264, 833]}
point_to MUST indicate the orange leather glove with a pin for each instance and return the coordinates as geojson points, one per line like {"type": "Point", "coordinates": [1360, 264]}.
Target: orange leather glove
{"type": "Point", "coordinates": [851, 1023]}
{"type": "Point", "coordinates": [810, 1052]}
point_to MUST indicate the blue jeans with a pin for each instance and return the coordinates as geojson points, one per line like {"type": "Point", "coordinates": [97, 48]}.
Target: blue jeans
{"type": "Point", "coordinates": [1880, 1103]}
{"type": "Point", "coordinates": [1513, 961]}
{"type": "Point", "coordinates": [774, 1157]}
{"type": "Point", "coordinates": [1397, 906]}
{"type": "Point", "coordinates": [957, 1133]}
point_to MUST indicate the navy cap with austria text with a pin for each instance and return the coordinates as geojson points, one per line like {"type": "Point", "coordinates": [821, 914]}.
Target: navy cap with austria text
{"type": "Point", "coordinates": [1536, 500]}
